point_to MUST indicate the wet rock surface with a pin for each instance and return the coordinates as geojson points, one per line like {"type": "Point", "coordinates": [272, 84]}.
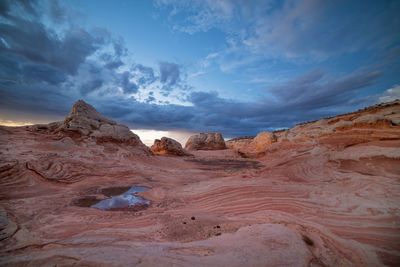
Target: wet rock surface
{"type": "Point", "coordinates": [86, 202]}
{"type": "Point", "coordinates": [115, 198]}
{"type": "Point", "coordinates": [124, 201]}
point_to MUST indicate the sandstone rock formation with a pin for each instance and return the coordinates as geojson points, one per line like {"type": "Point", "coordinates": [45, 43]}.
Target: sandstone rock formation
{"type": "Point", "coordinates": [85, 124]}
{"type": "Point", "coordinates": [262, 141]}
{"type": "Point", "coordinates": [252, 147]}
{"type": "Point", "coordinates": [349, 128]}
{"type": "Point", "coordinates": [326, 193]}
{"type": "Point", "coordinates": [239, 143]}
{"type": "Point", "coordinates": [168, 146]}
{"type": "Point", "coordinates": [378, 117]}
{"type": "Point", "coordinates": [70, 150]}
{"type": "Point", "coordinates": [205, 141]}
{"type": "Point", "coordinates": [85, 120]}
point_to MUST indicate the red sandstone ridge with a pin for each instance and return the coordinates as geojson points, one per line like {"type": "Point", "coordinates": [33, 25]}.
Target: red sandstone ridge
{"type": "Point", "coordinates": [324, 193]}
{"type": "Point", "coordinates": [373, 123]}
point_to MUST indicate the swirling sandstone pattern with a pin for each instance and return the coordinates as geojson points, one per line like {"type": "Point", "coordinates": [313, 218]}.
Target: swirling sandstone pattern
{"type": "Point", "coordinates": [326, 193]}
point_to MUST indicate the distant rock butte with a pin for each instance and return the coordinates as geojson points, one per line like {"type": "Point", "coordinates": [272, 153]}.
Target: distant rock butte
{"type": "Point", "coordinates": [168, 146]}
{"type": "Point", "coordinates": [206, 141]}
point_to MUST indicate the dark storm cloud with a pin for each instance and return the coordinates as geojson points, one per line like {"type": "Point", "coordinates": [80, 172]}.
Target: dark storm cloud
{"type": "Point", "coordinates": [150, 98]}
{"type": "Point", "coordinates": [144, 74]}
{"type": "Point", "coordinates": [111, 62]}
{"type": "Point", "coordinates": [27, 6]}
{"type": "Point", "coordinates": [76, 47]}
{"type": "Point", "coordinates": [169, 73]}
{"type": "Point", "coordinates": [205, 99]}
{"type": "Point", "coordinates": [10, 68]}
{"type": "Point", "coordinates": [57, 13]}
{"type": "Point", "coordinates": [27, 39]}
{"type": "Point", "coordinates": [114, 60]}
{"type": "Point", "coordinates": [119, 47]}
{"type": "Point", "coordinates": [91, 86]}
{"type": "Point", "coordinates": [4, 7]}
{"type": "Point", "coordinates": [44, 72]}
{"type": "Point", "coordinates": [33, 42]}
{"type": "Point", "coordinates": [128, 86]}
{"type": "Point", "coordinates": [144, 115]}
{"type": "Point", "coordinates": [114, 64]}
{"type": "Point", "coordinates": [304, 98]}
{"type": "Point", "coordinates": [209, 112]}
{"type": "Point", "coordinates": [31, 52]}
{"type": "Point", "coordinates": [34, 73]}
{"type": "Point", "coordinates": [35, 99]}
{"type": "Point", "coordinates": [309, 91]}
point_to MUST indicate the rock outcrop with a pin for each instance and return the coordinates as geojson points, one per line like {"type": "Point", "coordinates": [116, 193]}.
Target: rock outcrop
{"type": "Point", "coordinates": [206, 141]}
{"type": "Point", "coordinates": [85, 120]}
{"type": "Point", "coordinates": [326, 193]}
{"type": "Point", "coordinates": [252, 147]}
{"type": "Point", "coordinates": [239, 143]}
{"type": "Point", "coordinates": [261, 142]}
{"type": "Point", "coordinates": [168, 146]}
{"type": "Point", "coordinates": [384, 116]}
{"type": "Point", "coordinates": [85, 124]}
{"type": "Point", "coordinates": [348, 129]}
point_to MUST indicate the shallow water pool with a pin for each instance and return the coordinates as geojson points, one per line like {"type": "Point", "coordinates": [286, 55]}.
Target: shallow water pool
{"type": "Point", "coordinates": [126, 200]}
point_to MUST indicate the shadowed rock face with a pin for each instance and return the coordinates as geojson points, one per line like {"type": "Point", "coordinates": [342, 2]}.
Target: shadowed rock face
{"type": "Point", "coordinates": [206, 141]}
{"type": "Point", "coordinates": [168, 146]}
{"type": "Point", "coordinates": [325, 193]}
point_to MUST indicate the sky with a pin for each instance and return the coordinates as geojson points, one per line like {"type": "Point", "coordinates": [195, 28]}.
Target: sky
{"type": "Point", "coordinates": [172, 67]}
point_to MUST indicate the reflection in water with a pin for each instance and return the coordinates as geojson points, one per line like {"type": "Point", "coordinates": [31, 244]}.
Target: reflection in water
{"type": "Point", "coordinates": [128, 199]}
